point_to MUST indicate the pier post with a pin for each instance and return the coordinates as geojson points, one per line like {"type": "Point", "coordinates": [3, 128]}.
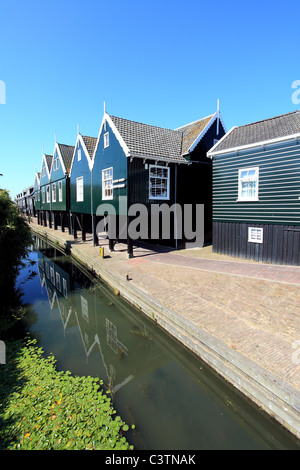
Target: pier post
{"type": "Point", "coordinates": [83, 237]}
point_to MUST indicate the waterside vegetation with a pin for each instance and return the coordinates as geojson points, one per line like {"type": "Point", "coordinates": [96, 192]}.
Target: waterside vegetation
{"type": "Point", "coordinates": [40, 407]}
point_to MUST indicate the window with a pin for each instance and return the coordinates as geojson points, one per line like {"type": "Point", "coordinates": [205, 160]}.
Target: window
{"type": "Point", "coordinates": [106, 140]}
{"type": "Point", "coordinates": [84, 308]}
{"type": "Point", "coordinates": [159, 182]}
{"type": "Point", "coordinates": [47, 270]}
{"type": "Point", "coordinates": [44, 171]}
{"type": "Point", "coordinates": [43, 194]}
{"type": "Point", "coordinates": [52, 277]}
{"type": "Point", "coordinates": [248, 184]}
{"type": "Point", "coordinates": [79, 189]}
{"type": "Point", "coordinates": [60, 195]}
{"type": "Point", "coordinates": [53, 192]}
{"type": "Point", "coordinates": [48, 193]}
{"type": "Point", "coordinates": [107, 183]}
{"type": "Point", "coordinates": [79, 154]}
{"type": "Point", "coordinates": [65, 289]}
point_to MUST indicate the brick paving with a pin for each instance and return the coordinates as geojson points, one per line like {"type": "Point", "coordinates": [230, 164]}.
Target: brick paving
{"type": "Point", "coordinates": [252, 308]}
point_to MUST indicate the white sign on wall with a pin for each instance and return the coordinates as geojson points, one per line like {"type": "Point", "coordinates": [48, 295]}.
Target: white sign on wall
{"type": "Point", "coordinates": [255, 234]}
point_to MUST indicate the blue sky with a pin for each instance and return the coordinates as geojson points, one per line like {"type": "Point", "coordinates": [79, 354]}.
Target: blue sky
{"type": "Point", "coordinates": [163, 62]}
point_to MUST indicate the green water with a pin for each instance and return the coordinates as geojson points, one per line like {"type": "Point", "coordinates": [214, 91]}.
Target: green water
{"type": "Point", "coordinates": [174, 400]}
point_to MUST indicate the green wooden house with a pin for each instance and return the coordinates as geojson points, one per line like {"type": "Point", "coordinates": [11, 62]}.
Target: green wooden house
{"type": "Point", "coordinates": [136, 163]}
{"type": "Point", "coordinates": [36, 192]}
{"type": "Point", "coordinates": [59, 185]}
{"type": "Point", "coordinates": [256, 191]}
{"type": "Point", "coordinates": [81, 203]}
{"type": "Point", "coordinates": [44, 212]}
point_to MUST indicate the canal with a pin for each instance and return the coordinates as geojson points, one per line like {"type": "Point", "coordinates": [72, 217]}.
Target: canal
{"type": "Point", "coordinates": [175, 401]}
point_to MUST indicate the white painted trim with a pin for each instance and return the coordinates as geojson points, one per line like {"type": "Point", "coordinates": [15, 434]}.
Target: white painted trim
{"type": "Point", "coordinates": [248, 198]}
{"type": "Point", "coordinates": [80, 178]}
{"type": "Point", "coordinates": [165, 198]}
{"type": "Point", "coordinates": [107, 118]}
{"type": "Point", "coordinates": [56, 146]}
{"type": "Point", "coordinates": [210, 153]}
{"type": "Point", "coordinates": [261, 143]}
{"type": "Point", "coordinates": [46, 165]}
{"type": "Point", "coordinates": [107, 198]}
{"type": "Point", "coordinates": [89, 159]}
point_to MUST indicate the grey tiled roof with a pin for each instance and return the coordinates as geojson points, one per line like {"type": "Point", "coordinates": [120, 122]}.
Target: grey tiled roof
{"type": "Point", "coordinates": [90, 143]}
{"type": "Point", "coordinates": [191, 131]}
{"type": "Point", "coordinates": [144, 139]}
{"type": "Point", "coordinates": [49, 159]}
{"type": "Point", "coordinates": [67, 155]}
{"type": "Point", "coordinates": [260, 131]}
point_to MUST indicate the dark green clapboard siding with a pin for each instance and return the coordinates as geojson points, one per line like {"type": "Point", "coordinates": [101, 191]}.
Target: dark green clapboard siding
{"type": "Point", "coordinates": [279, 186]}
{"type": "Point", "coordinates": [113, 157]}
{"type": "Point", "coordinates": [60, 205]}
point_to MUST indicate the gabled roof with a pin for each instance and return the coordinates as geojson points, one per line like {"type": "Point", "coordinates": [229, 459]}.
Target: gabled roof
{"type": "Point", "coordinates": [261, 132]}
{"type": "Point", "coordinates": [147, 140]}
{"type": "Point", "coordinates": [191, 132]}
{"type": "Point", "coordinates": [90, 144]}
{"type": "Point", "coordinates": [48, 159]}
{"type": "Point", "coordinates": [144, 140]}
{"type": "Point", "coordinates": [66, 152]}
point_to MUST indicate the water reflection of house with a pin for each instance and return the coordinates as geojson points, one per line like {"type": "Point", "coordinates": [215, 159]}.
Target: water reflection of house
{"type": "Point", "coordinates": [106, 323]}
{"type": "Point", "coordinates": [56, 278]}
{"type": "Point", "coordinates": [108, 327]}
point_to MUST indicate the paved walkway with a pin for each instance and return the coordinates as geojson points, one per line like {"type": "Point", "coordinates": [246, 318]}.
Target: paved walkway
{"type": "Point", "coordinates": [249, 313]}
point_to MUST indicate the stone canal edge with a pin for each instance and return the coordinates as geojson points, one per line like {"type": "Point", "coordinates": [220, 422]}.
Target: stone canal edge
{"type": "Point", "coordinates": [269, 390]}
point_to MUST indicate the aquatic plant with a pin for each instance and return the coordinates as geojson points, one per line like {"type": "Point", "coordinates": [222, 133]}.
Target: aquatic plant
{"type": "Point", "coordinates": [42, 409]}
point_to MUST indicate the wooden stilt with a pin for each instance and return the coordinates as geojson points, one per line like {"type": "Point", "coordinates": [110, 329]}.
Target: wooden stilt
{"type": "Point", "coordinates": [74, 224]}
{"type": "Point", "coordinates": [83, 227]}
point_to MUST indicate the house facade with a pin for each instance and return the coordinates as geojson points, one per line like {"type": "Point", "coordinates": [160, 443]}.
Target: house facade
{"type": "Point", "coordinates": [37, 194]}
{"type": "Point", "coordinates": [256, 191]}
{"type": "Point", "coordinates": [138, 168]}
{"type": "Point", "coordinates": [59, 185]}
{"type": "Point", "coordinates": [81, 203]}
{"type": "Point", "coordinates": [44, 213]}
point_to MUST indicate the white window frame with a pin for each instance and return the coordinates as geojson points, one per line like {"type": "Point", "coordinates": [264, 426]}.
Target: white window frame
{"type": "Point", "coordinates": [65, 289]}
{"type": "Point", "coordinates": [60, 194]}
{"type": "Point", "coordinates": [250, 178]}
{"type": "Point", "coordinates": [58, 281]}
{"type": "Point", "coordinates": [53, 192]}
{"type": "Point", "coordinates": [105, 184]}
{"type": "Point", "coordinates": [79, 189]}
{"type": "Point", "coordinates": [48, 193]}
{"type": "Point", "coordinates": [79, 154]}
{"type": "Point", "coordinates": [159, 177]}
{"type": "Point", "coordinates": [52, 275]}
{"type": "Point", "coordinates": [84, 308]}
{"type": "Point", "coordinates": [106, 140]}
